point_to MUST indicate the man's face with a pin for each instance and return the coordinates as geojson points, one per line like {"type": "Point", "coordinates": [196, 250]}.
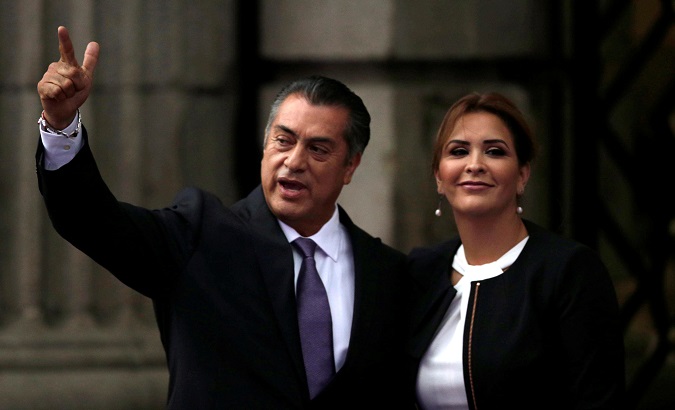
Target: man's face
{"type": "Point", "coordinates": [304, 164]}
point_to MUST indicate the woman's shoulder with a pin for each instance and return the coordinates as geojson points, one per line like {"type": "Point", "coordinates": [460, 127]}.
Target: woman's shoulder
{"type": "Point", "coordinates": [560, 257]}
{"type": "Point", "coordinates": [547, 241]}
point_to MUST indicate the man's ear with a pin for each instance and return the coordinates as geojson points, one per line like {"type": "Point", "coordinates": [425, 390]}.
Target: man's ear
{"type": "Point", "coordinates": [351, 168]}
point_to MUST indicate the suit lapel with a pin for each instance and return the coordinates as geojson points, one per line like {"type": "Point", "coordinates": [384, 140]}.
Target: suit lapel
{"type": "Point", "coordinates": [363, 287]}
{"type": "Point", "coordinates": [276, 256]}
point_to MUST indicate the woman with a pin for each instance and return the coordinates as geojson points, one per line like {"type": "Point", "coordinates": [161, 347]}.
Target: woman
{"type": "Point", "coordinates": [507, 314]}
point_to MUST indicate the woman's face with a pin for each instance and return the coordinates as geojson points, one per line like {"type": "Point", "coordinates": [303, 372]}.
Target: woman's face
{"type": "Point", "coordinates": [479, 172]}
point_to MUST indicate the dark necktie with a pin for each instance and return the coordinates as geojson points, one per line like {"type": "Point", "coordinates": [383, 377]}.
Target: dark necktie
{"type": "Point", "coordinates": [314, 319]}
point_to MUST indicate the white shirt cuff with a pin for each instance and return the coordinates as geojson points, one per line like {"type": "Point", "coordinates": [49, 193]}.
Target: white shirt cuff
{"type": "Point", "coordinates": [59, 149]}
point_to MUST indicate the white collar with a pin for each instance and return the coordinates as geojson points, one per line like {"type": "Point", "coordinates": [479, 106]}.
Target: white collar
{"type": "Point", "coordinates": [488, 270]}
{"type": "Point", "coordinates": [328, 238]}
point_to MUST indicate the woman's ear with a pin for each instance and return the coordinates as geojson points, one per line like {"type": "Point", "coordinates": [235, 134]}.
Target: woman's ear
{"type": "Point", "coordinates": [523, 178]}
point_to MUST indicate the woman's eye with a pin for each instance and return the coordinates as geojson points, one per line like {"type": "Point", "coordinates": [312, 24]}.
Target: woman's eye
{"type": "Point", "coordinates": [458, 152]}
{"type": "Point", "coordinates": [495, 152]}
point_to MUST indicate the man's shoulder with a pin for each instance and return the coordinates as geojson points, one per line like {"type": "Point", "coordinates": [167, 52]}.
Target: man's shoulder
{"type": "Point", "coordinates": [251, 204]}
{"type": "Point", "coordinates": [198, 207]}
{"type": "Point", "coordinates": [361, 239]}
{"type": "Point", "coordinates": [196, 197]}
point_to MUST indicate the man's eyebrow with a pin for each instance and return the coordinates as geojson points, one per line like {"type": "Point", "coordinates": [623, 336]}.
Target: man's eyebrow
{"type": "Point", "coordinates": [316, 138]}
{"type": "Point", "coordinates": [319, 138]}
{"type": "Point", "coordinates": [280, 127]}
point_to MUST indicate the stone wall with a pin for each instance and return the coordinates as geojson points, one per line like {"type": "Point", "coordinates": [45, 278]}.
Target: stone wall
{"type": "Point", "coordinates": [163, 115]}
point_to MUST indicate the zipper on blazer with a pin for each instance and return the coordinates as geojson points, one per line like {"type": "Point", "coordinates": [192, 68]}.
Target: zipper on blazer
{"type": "Point", "coordinates": [470, 346]}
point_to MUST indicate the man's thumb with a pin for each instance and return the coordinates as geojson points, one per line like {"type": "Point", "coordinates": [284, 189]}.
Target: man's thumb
{"type": "Point", "coordinates": [91, 57]}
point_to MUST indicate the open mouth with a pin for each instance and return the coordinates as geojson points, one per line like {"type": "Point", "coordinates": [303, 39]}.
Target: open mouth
{"type": "Point", "coordinates": [291, 185]}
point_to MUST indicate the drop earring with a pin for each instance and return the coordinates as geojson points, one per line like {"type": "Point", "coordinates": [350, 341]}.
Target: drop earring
{"type": "Point", "coordinates": [438, 210]}
{"type": "Point", "coordinates": [519, 197]}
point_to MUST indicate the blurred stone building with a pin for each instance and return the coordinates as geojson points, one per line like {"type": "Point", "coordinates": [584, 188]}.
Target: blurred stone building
{"type": "Point", "coordinates": [181, 96]}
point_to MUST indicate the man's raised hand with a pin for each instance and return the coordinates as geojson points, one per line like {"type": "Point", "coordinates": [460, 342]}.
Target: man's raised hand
{"type": "Point", "coordinates": [66, 85]}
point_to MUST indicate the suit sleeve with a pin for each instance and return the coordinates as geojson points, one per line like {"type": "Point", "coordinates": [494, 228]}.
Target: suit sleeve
{"type": "Point", "coordinates": [125, 239]}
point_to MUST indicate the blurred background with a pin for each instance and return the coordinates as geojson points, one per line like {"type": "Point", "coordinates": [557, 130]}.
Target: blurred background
{"type": "Point", "coordinates": [181, 96]}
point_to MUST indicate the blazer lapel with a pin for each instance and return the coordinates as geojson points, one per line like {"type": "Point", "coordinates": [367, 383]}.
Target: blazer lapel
{"type": "Point", "coordinates": [436, 292]}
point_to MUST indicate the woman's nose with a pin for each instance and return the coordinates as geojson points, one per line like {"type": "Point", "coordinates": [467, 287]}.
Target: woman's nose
{"type": "Point", "coordinates": [475, 164]}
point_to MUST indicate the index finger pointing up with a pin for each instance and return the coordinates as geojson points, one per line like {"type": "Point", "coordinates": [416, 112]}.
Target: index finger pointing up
{"type": "Point", "coordinates": [66, 47]}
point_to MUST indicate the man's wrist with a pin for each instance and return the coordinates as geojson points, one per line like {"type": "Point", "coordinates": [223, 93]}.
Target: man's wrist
{"type": "Point", "coordinates": [46, 127]}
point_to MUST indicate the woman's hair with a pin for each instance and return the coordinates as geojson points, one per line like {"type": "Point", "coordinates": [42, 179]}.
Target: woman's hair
{"type": "Point", "coordinates": [493, 103]}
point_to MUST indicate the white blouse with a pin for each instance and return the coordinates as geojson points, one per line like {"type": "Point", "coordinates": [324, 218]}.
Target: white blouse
{"type": "Point", "coordinates": [440, 381]}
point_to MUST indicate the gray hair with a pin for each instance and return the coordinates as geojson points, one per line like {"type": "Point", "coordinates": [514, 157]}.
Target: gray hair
{"type": "Point", "coordinates": [319, 90]}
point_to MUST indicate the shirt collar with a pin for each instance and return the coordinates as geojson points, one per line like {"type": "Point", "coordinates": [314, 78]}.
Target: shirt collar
{"type": "Point", "coordinates": [328, 238]}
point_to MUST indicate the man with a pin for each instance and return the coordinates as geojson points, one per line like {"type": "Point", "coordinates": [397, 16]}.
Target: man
{"type": "Point", "coordinates": [222, 280]}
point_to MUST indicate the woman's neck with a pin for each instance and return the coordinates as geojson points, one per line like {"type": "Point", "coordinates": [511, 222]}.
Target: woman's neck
{"type": "Point", "coordinates": [486, 239]}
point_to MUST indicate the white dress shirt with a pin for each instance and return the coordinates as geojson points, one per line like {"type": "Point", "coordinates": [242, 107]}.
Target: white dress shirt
{"type": "Point", "coordinates": [335, 263]}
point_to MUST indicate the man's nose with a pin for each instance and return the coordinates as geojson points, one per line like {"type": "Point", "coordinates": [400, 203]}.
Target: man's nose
{"type": "Point", "coordinates": [296, 159]}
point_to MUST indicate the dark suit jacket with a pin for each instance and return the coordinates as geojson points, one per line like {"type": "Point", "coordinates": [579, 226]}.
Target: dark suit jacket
{"type": "Point", "coordinates": [221, 281]}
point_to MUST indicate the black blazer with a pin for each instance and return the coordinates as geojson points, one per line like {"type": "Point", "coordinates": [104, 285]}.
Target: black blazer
{"type": "Point", "coordinates": [221, 282]}
{"type": "Point", "coordinates": [545, 334]}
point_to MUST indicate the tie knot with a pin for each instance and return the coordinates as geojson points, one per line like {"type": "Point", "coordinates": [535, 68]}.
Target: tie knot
{"type": "Point", "coordinates": [306, 246]}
